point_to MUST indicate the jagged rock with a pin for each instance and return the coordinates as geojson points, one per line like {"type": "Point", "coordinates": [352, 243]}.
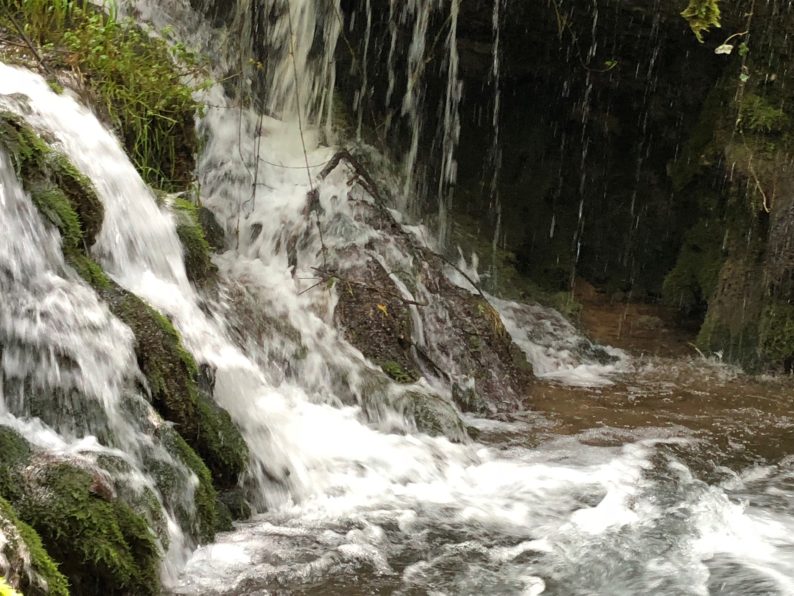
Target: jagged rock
{"type": "Point", "coordinates": [379, 316]}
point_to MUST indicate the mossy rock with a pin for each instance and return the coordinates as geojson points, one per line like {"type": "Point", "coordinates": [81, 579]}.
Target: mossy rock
{"type": "Point", "coordinates": [31, 570]}
{"type": "Point", "coordinates": [103, 546]}
{"type": "Point", "coordinates": [213, 231]}
{"type": "Point", "coordinates": [433, 415]}
{"type": "Point", "coordinates": [100, 543]}
{"type": "Point", "coordinates": [171, 374]}
{"type": "Point", "coordinates": [195, 248]}
{"type": "Point", "coordinates": [208, 517]}
{"type": "Point", "coordinates": [63, 195]}
{"type": "Point", "coordinates": [776, 341]}
{"type": "Point", "coordinates": [397, 373]}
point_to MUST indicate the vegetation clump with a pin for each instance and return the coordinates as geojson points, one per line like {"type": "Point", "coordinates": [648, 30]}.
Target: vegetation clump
{"type": "Point", "coordinates": [137, 79]}
{"type": "Point", "coordinates": [702, 15]}
{"type": "Point", "coordinates": [759, 116]}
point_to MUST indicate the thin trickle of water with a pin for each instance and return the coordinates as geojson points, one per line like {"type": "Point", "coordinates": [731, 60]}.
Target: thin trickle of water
{"type": "Point", "coordinates": [362, 97]}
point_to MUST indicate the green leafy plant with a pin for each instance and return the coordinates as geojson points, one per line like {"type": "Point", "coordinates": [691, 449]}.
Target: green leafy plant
{"type": "Point", "coordinates": [141, 82]}
{"type": "Point", "coordinates": [702, 15]}
{"type": "Point", "coordinates": [758, 115]}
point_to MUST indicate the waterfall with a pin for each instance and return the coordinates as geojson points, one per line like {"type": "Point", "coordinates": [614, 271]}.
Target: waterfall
{"type": "Point", "coordinates": [59, 342]}
{"type": "Point", "coordinates": [342, 481]}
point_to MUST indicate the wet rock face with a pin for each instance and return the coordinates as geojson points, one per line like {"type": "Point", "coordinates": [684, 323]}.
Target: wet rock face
{"type": "Point", "coordinates": [596, 98]}
{"type": "Point", "coordinates": [413, 322]}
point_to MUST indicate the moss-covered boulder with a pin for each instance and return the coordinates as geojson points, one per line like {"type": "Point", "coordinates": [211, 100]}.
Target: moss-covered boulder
{"type": "Point", "coordinates": [433, 415]}
{"type": "Point", "coordinates": [200, 513]}
{"type": "Point", "coordinates": [213, 231]}
{"type": "Point", "coordinates": [101, 545]}
{"type": "Point", "coordinates": [24, 563]}
{"type": "Point", "coordinates": [63, 195]}
{"type": "Point", "coordinates": [171, 374]}
{"type": "Point", "coordinates": [195, 247]}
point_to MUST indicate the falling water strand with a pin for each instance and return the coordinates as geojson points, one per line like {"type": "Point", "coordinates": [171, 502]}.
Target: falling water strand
{"type": "Point", "coordinates": [495, 156]}
{"type": "Point", "coordinates": [363, 94]}
{"type": "Point", "coordinates": [451, 127]}
{"type": "Point", "coordinates": [298, 105]}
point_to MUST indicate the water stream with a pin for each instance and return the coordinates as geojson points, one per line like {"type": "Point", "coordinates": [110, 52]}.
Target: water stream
{"type": "Point", "coordinates": [617, 476]}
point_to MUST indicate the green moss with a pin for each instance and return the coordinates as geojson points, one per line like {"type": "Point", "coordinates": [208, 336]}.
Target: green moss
{"type": "Point", "coordinates": [14, 451]}
{"type": "Point", "coordinates": [46, 578]}
{"type": "Point", "coordinates": [171, 374]}
{"type": "Point", "coordinates": [55, 207]}
{"type": "Point", "coordinates": [195, 247]}
{"type": "Point", "coordinates": [63, 195]}
{"type": "Point", "coordinates": [759, 116]}
{"type": "Point", "coordinates": [208, 517]}
{"type": "Point", "coordinates": [103, 546]}
{"type": "Point", "coordinates": [777, 334]}
{"type": "Point", "coordinates": [88, 269]}
{"type": "Point", "coordinates": [398, 373]}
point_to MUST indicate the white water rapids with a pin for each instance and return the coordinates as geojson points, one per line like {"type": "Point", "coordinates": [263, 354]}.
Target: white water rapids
{"type": "Point", "coordinates": [351, 503]}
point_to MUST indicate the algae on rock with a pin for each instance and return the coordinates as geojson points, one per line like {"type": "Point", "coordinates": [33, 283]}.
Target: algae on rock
{"type": "Point", "coordinates": [67, 200]}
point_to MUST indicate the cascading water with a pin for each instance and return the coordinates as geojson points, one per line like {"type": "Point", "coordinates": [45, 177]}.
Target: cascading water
{"type": "Point", "coordinates": [61, 343]}
{"type": "Point", "coordinates": [347, 495]}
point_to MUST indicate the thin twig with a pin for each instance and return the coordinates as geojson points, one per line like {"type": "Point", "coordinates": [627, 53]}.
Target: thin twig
{"type": "Point", "coordinates": [328, 275]}
{"type": "Point", "coordinates": [28, 42]}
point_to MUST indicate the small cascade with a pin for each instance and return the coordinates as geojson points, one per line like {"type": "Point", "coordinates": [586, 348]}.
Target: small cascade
{"type": "Point", "coordinates": [60, 344]}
